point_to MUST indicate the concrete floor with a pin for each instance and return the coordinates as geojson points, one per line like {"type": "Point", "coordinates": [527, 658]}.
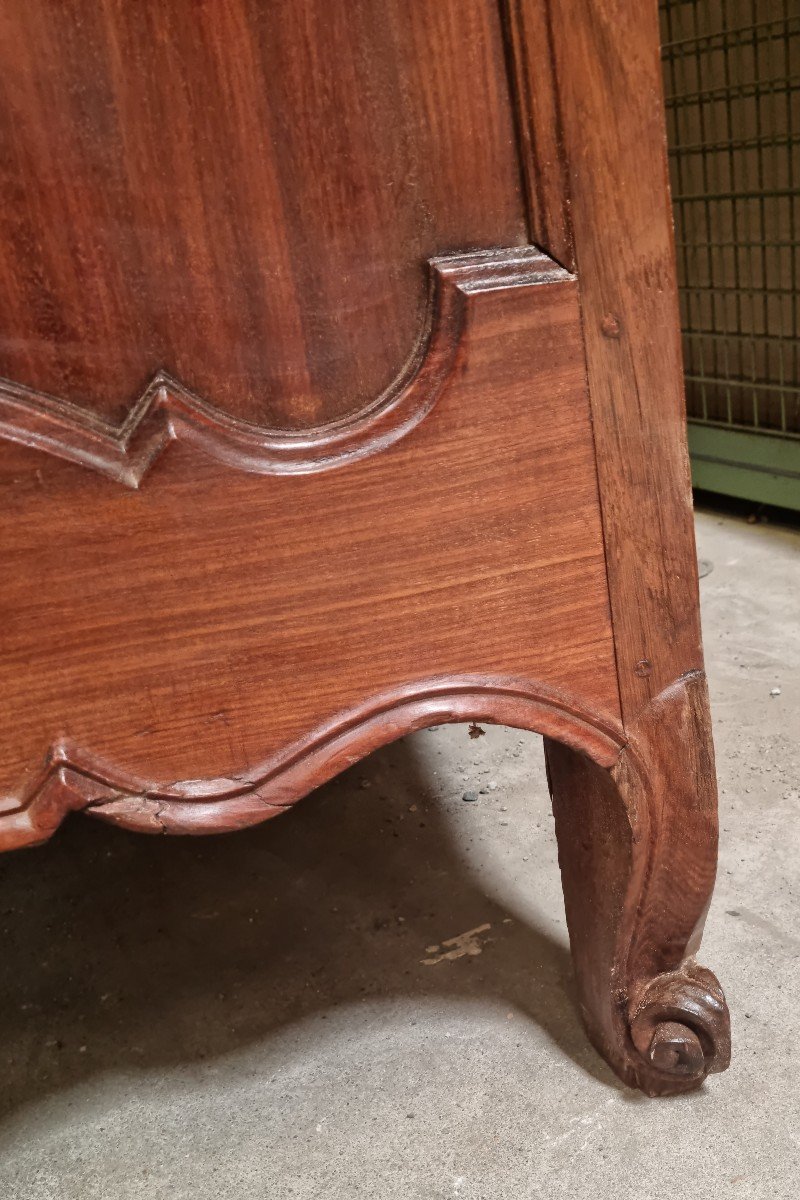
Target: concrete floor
{"type": "Point", "coordinates": [263, 1015]}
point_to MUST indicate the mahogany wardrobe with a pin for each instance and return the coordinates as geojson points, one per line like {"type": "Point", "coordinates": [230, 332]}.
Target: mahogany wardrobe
{"type": "Point", "coordinates": [341, 396]}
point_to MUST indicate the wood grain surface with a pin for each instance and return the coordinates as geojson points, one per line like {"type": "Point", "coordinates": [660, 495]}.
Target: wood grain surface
{"type": "Point", "coordinates": [380, 472]}
{"type": "Point", "coordinates": [613, 195]}
{"type": "Point", "coordinates": [532, 68]}
{"type": "Point", "coordinates": [242, 194]}
{"type": "Point", "coordinates": [187, 633]}
{"type": "Point", "coordinates": [167, 411]}
{"type": "Point", "coordinates": [637, 847]}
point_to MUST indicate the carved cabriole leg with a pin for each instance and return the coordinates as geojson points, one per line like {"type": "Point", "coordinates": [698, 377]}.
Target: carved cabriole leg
{"type": "Point", "coordinates": [637, 848]}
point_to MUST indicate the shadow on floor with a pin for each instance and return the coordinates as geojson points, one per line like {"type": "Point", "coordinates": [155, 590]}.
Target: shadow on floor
{"type": "Point", "coordinates": [124, 952]}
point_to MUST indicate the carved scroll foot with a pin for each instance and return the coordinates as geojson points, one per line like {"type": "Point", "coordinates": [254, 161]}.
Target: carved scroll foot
{"type": "Point", "coordinates": [637, 848]}
{"type": "Point", "coordinates": [681, 1028]}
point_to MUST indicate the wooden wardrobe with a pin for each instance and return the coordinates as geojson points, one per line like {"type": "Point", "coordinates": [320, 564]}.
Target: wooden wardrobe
{"type": "Point", "coordinates": [341, 395]}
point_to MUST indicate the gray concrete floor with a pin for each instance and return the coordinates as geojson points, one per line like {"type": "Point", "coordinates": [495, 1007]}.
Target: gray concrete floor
{"type": "Point", "coordinates": [263, 1014]}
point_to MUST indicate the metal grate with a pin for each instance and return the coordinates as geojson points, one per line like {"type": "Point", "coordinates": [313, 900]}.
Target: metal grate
{"type": "Point", "coordinates": [732, 84]}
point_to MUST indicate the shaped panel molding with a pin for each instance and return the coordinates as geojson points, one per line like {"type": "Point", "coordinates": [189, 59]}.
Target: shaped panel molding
{"type": "Point", "coordinates": [252, 631]}
{"type": "Point", "coordinates": [242, 193]}
{"type": "Point", "coordinates": [167, 411]}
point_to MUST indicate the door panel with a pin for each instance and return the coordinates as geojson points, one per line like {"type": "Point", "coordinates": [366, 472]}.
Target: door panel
{"type": "Point", "coordinates": [243, 194]}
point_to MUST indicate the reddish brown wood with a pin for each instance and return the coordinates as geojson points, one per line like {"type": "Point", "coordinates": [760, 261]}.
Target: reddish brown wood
{"type": "Point", "coordinates": [616, 198]}
{"type": "Point", "coordinates": [380, 511]}
{"type": "Point", "coordinates": [638, 851]}
{"type": "Point", "coordinates": [243, 194]}
{"type": "Point", "coordinates": [545, 166]}
{"type": "Point", "coordinates": [73, 780]}
{"type": "Point", "coordinates": [167, 411]}
{"type": "Point", "coordinates": [200, 628]}
{"type": "Point", "coordinates": [637, 844]}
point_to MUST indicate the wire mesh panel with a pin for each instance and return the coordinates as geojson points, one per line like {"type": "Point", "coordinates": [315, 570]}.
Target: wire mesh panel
{"type": "Point", "coordinates": [732, 84]}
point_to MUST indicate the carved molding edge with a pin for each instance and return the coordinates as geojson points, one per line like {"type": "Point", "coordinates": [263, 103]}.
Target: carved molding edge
{"type": "Point", "coordinates": [674, 1010]}
{"type": "Point", "coordinates": [168, 411]}
{"type": "Point", "coordinates": [73, 778]}
{"type": "Point", "coordinates": [638, 852]}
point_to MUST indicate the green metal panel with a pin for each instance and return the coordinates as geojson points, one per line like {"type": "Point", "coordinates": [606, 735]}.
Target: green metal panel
{"type": "Point", "coordinates": [754, 466]}
{"type": "Point", "coordinates": [732, 87]}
